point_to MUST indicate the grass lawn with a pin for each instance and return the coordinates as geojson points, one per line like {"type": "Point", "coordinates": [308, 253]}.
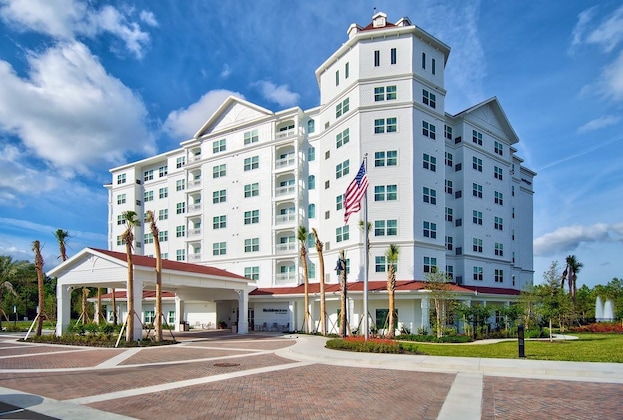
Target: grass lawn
{"type": "Point", "coordinates": [588, 348]}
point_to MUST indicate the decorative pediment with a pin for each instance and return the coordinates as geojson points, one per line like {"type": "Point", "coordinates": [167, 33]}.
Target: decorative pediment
{"type": "Point", "coordinates": [233, 112]}
{"type": "Point", "coordinates": [491, 115]}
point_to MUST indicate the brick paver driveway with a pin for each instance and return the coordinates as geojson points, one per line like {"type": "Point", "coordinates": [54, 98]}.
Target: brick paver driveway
{"type": "Point", "coordinates": [214, 375]}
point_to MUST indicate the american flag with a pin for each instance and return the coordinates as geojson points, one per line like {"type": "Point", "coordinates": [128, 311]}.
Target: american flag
{"type": "Point", "coordinates": [355, 192]}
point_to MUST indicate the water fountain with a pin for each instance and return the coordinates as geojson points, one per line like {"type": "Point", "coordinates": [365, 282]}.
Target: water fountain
{"type": "Point", "coordinates": [608, 314]}
{"type": "Point", "coordinates": [599, 310]}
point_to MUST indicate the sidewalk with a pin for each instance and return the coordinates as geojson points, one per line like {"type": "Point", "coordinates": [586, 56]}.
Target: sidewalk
{"type": "Point", "coordinates": [311, 348]}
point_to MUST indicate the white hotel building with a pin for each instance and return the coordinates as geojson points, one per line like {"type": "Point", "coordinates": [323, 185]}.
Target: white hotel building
{"type": "Point", "coordinates": [449, 190]}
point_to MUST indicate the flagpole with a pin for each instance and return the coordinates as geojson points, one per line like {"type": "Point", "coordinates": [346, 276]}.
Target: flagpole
{"type": "Point", "coordinates": [366, 327]}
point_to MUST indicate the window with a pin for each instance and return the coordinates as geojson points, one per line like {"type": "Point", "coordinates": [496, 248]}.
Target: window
{"type": "Point", "coordinates": [342, 234]}
{"type": "Point", "coordinates": [219, 171]}
{"type": "Point", "coordinates": [119, 240]}
{"type": "Point", "coordinates": [428, 130]}
{"type": "Point", "coordinates": [311, 211]}
{"type": "Point", "coordinates": [513, 190]}
{"type": "Point", "coordinates": [477, 163]}
{"type": "Point", "coordinates": [163, 214]}
{"type": "Point", "coordinates": [429, 99]}
{"type": "Point", "coordinates": [379, 264]}
{"type": "Point", "coordinates": [386, 227]}
{"type": "Point", "coordinates": [390, 93]}
{"type": "Point", "coordinates": [498, 148]}
{"type": "Point", "coordinates": [448, 159]}
{"type": "Point", "coordinates": [497, 173]}
{"type": "Point", "coordinates": [379, 94]}
{"type": "Point", "coordinates": [252, 245]}
{"type": "Point", "coordinates": [388, 158]}
{"type": "Point", "coordinates": [311, 154]}
{"type": "Point", "coordinates": [499, 249]}
{"type": "Point", "coordinates": [180, 185]}
{"type": "Point", "coordinates": [447, 132]}
{"type": "Point", "coordinates": [180, 208]}
{"type": "Point", "coordinates": [148, 196]}
{"type": "Point", "coordinates": [148, 238]}
{"type": "Point", "coordinates": [311, 182]}
{"type": "Point", "coordinates": [346, 70]}
{"type": "Point", "coordinates": [149, 316]}
{"type": "Point", "coordinates": [458, 167]}
{"type": "Point", "coordinates": [251, 163]}
{"type": "Point", "coordinates": [449, 214]}
{"type": "Point", "coordinates": [219, 248]}
{"type": "Point", "coordinates": [477, 190]}
{"type": "Point", "coordinates": [498, 223]}
{"type": "Point", "coordinates": [423, 60]}
{"type": "Point", "coordinates": [477, 273]}
{"type": "Point", "coordinates": [449, 243]}
{"type": "Point", "coordinates": [384, 93]}
{"type": "Point", "coordinates": [219, 196]}
{"type": "Point", "coordinates": [448, 186]}
{"type": "Point", "coordinates": [429, 195]}
{"type": "Point", "coordinates": [382, 125]}
{"type": "Point", "coordinates": [251, 190]}
{"type": "Point", "coordinates": [499, 275]}
{"type": "Point", "coordinates": [120, 220]}
{"type": "Point", "coordinates": [429, 162]}
{"type": "Point", "coordinates": [252, 273]}
{"type": "Point", "coordinates": [433, 68]}
{"type": "Point", "coordinates": [180, 161]}
{"type": "Point", "coordinates": [341, 108]}
{"type": "Point", "coordinates": [180, 255]}
{"type": "Point", "coordinates": [337, 78]}
{"type": "Point", "coordinates": [121, 179]}
{"type": "Point", "coordinates": [476, 244]}
{"type": "Point", "coordinates": [138, 202]}
{"type": "Point", "coordinates": [477, 137]}
{"type": "Point", "coordinates": [251, 137]}
{"type": "Point", "coordinates": [342, 138]}
{"type": "Point", "coordinates": [386, 192]}
{"type": "Point", "coordinates": [341, 169]}
{"type": "Point", "coordinates": [219, 146]}
{"type": "Point", "coordinates": [180, 231]}
{"type": "Point", "coordinates": [392, 56]}
{"type": "Point", "coordinates": [219, 222]}
{"type": "Point", "coordinates": [163, 171]}
{"type": "Point", "coordinates": [377, 58]}
{"type": "Point", "coordinates": [430, 230]}
{"type": "Point", "coordinates": [430, 264]}
{"type": "Point", "coordinates": [477, 217]}
{"type": "Point", "coordinates": [163, 235]}
{"type": "Point", "coordinates": [458, 194]}
{"type": "Point", "coordinates": [121, 199]}
{"type": "Point", "coordinates": [339, 202]}
{"type": "Point", "coordinates": [499, 198]}
{"type": "Point", "coordinates": [163, 192]}
{"type": "Point", "coordinates": [327, 184]}
{"type": "Point", "coordinates": [251, 217]}
{"type": "Point", "coordinates": [311, 126]}
{"type": "Point", "coordinates": [148, 175]}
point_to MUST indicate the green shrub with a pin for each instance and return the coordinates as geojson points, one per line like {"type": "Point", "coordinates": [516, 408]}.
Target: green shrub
{"type": "Point", "coordinates": [360, 344]}
{"type": "Point", "coordinates": [434, 339]}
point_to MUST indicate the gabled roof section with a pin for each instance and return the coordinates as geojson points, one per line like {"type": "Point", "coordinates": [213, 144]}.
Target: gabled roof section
{"type": "Point", "coordinates": [490, 112]}
{"type": "Point", "coordinates": [232, 112]}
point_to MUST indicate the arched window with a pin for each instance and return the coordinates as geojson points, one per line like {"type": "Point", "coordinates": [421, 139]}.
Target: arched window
{"type": "Point", "coordinates": [311, 211]}
{"type": "Point", "coordinates": [311, 126]}
{"type": "Point", "coordinates": [311, 182]}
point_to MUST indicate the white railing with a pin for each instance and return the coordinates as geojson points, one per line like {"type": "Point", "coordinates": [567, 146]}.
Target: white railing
{"type": "Point", "coordinates": [194, 183]}
{"type": "Point", "coordinates": [194, 232]}
{"type": "Point", "coordinates": [194, 257]}
{"type": "Point", "coordinates": [285, 134]}
{"type": "Point", "coordinates": [284, 162]}
{"type": "Point", "coordinates": [285, 190]}
{"type": "Point", "coordinates": [285, 218]}
{"type": "Point", "coordinates": [194, 207]}
{"type": "Point", "coordinates": [286, 247]}
{"type": "Point", "coordinates": [285, 278]}
{"type": "Point", "coordinates": [195, 158]}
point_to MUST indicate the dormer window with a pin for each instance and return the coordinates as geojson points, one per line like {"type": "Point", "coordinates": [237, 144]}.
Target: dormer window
{"type": "Point", "coordinates": [379, 20]}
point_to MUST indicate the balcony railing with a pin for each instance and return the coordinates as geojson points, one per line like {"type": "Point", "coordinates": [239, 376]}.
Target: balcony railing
{"type": "Point", "coordinates": [286, 247]}
{"type": "Point", "coordinates": [194, 207]}
{"type": "Point", "coordinates": [285, 278]}
{"type": "Point", "coordinates": [284, 162]}
{"type": "Point", "coordinates": [194, 257]}
{"type": "Point", "coordinates": [285, 134]}
{"type": "Point", "coordinates": [194, 183]}
{"type": "Point", "coordinates": [285, 190]}
{"type": "Point", "coordinates": [285, 218]}
{"type": "Point", "coordinates": [194, 232]}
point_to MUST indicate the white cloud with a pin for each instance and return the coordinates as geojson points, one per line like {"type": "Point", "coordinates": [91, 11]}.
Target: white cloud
{"type": "Point", "coordinates": [226, 71]}
{"type": "Point", "coordinates": [17, 177]}
{"type": "Point", "coordinates": [185, 122]}
{"type": "Point", "coordinates": [70, 112]}
{"type": "Point", "coordinates": [598, 123]}
{"type": "Point", "coordinates": [611, 81]}
{"type": "Point", "coordinates": [579, 29]}
{"type": "Point", "coordinates": [281, 95]}
{"type": "Point", "coordinates": [68, 19]}
{"type": "Point", "coordinates": [610, 32]}
{"type": "Point", "coordinates": [568, 238]}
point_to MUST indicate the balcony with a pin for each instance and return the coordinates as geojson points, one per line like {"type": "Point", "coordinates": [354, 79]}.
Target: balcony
{"type": "Point", "coordinates": [287, 247]}
{"type": "Point", "coordinates": [286, 190]}
{"type": "Point", "coordinates": [283, 219]}
{"type": "Point", "coordinates": [193, 208]}
{"type": "Point", "coordinates": [285, 162]}
{"type": "Point", "coordinates": [281, 135]}
{"type": "Point", "coordinates": [194, 232]}
{"type": "Point", "coordinates": [282, 279]}
{"type": "Point", "coordinates": [194, 257]}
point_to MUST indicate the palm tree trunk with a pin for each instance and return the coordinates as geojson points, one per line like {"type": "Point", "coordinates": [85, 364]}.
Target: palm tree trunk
{"type": "Point", "coordinates": [115, 321]}
{"type": "Point", "coordinates": [130, 294]}
{"type": "Point", "coordinates": [41, 298]}
{"type": "Point", "coordinates": [99, 315]}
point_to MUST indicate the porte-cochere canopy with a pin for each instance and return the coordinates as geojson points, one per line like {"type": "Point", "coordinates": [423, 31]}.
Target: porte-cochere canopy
{"type": "Point", "coordinates": [94, 267]}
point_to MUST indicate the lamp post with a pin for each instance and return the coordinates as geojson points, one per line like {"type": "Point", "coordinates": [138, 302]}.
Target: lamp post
{"type": "Point", "coordinates": [340, 268]}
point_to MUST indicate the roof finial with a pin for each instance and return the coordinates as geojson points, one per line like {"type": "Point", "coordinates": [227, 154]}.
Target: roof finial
{"type": "Point", "coordinates": [374, 11]}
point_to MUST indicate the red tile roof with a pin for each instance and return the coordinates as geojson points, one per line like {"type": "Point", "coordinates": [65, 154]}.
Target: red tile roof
{"type": "Point", "coordinates": [494, 290]}
{"type": "Point", "coordinates": [143, 261]}
{"type": "Point", "coordinates": [371, 27]}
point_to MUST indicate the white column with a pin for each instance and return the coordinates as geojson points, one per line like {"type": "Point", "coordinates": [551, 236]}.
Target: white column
{"type": "Point", "coordinates": [243, 311]}
{"type": "Point", "coordinates": [63, 308]}
{"type": "Point", "coordinates": [424, 304]}
{"type": "Point", "coordinates": [137, 334]}
{"type": "Point", "coordinates": [292, 312]}
{"type": "Point", "coordinates": [179, 312]}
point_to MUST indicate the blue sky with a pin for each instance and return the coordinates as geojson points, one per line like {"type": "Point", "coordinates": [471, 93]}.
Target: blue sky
{"type": "Point", "coordinates": [86, 86]}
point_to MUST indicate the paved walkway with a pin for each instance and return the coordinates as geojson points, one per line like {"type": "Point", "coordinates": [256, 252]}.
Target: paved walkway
{"type": "Point", "coordinates": [270, 376]}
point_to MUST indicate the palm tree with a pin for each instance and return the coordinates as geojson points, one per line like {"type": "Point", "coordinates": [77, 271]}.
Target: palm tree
{"type": "Point", "coordinates": [61, 237]}
{"type": "Point", "coordinates": [115, 321]}
{"type": "Point", "coordinates": [131, 220]}
{"type": "Point", "coordinates": [301, 235]}
{"type": "Point", "coordinates": [8, 286]}
{"type": "Point", "coordinates": [392, 258]}
{"type": "Point", "coordinates": [9, 270]}
{"type": "Point", "coordinates": [36, 247]}
{"type": "Point", "coordinates": [571, 274]}
{"type": "Point", "coordinates": [343, 293]}
{"type": "Point", "coordinates": [154, 231]}
{"type": "Point", "coordinates": [323, 326]}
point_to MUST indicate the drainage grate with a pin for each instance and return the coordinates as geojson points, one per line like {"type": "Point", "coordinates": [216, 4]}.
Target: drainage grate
{"type": "Point", "coordinates": [226, 364]}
